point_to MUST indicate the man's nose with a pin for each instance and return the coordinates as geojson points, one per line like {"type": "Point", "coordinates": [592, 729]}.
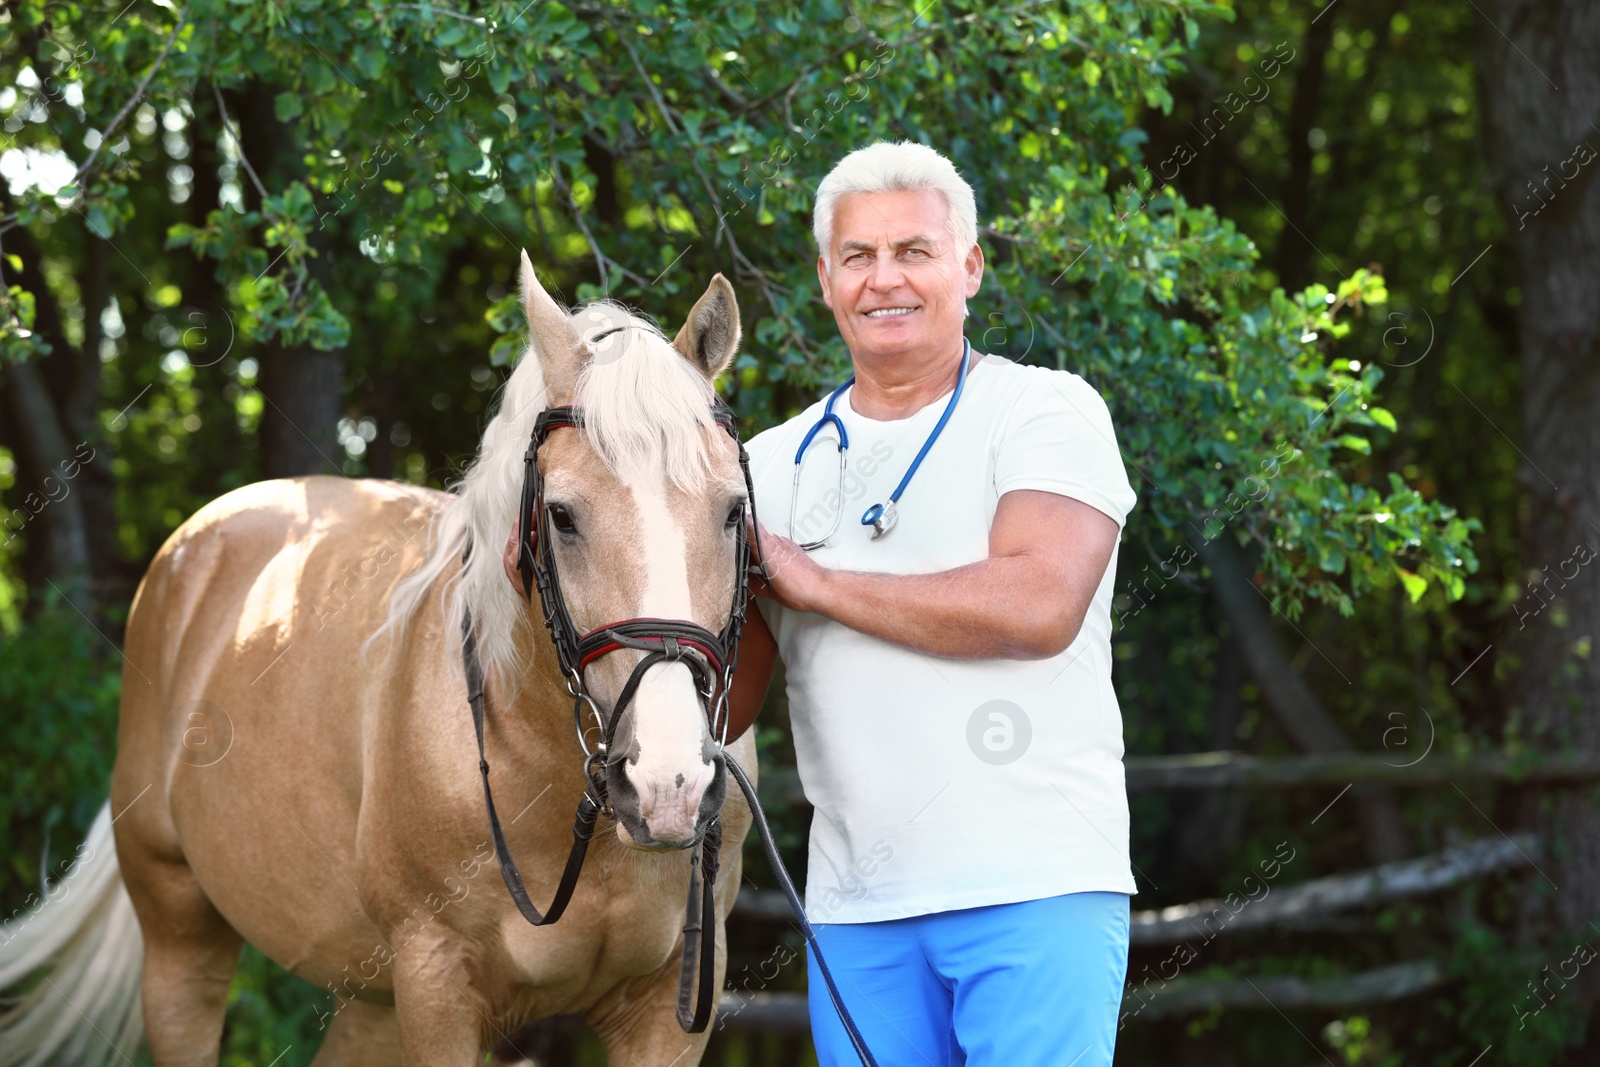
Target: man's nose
{"type": "Point", "coordinates": [886, 272]}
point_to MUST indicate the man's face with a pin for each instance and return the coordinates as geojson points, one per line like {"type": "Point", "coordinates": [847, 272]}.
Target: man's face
{"type": "Point", "coordinates": [897, 283]}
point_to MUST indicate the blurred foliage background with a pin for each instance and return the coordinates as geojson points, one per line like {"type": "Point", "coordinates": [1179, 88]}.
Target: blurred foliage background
{"type": "Point", "coordinates": [245, 240]}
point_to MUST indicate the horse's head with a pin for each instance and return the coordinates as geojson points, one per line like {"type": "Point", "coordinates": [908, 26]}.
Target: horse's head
{"type": "Point", "coordinates": [642, 507]}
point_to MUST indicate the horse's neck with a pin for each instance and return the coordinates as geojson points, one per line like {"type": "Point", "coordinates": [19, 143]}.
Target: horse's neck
{"type": "Point", "coordinates": [533, 712]}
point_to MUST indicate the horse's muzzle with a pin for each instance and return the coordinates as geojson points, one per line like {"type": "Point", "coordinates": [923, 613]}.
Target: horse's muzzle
{"type": "Point", "coordinates": [659, 812]}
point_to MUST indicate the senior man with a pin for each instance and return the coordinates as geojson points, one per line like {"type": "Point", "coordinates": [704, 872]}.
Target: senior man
{"type": "Point", "coordinates": [941, 596]}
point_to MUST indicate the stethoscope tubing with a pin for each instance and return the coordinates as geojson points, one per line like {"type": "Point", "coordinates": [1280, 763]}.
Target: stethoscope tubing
{"type": "Point", "coordinates": [873, 516]}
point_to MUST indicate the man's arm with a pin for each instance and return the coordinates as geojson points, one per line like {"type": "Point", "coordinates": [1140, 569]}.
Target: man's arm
{"type": "Point", "coordinates": [1047, 554]}
{"type": "Point", "coordinates": [757, 654]}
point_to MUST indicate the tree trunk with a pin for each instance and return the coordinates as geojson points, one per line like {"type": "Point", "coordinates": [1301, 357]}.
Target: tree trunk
{"type": "Point", "coordinates": [1293, 703]}
{"type": "Point", "coordinates": [1540, 92]}
{"type": "Point", "coordinates": [1294, 247]}
{"type": "Point", "coordinates": [1210, 832]}
{"type": "Point", "coordinates": [303, 387]}
{"type": "Point", "coordinates": [304, 390]}
{"type": "Point", "coordinates": [51, 459]}
{"type": "Point", "coordinates": [57, 527]}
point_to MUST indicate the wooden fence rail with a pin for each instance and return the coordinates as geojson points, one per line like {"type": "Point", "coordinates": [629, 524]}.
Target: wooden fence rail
{"type": "Point", "coordinates": [1155, 999]}
{"type": "Point", "coordinates": [1233, 770]}
{"type": "Point", "coordinates": [1221, 770]}
{"type": "Point", "coordinates": [1275, 905]}
{"type": "Point", "coordinates": [1318, 897]}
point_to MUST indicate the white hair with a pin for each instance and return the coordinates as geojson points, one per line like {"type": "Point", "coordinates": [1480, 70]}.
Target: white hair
{"type": "Point", "coordinates": [893, 166]}
{"type": "Point", "coordinates": [644, 407]}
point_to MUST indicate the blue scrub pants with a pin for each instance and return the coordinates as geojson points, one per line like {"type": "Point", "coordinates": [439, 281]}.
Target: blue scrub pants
{"type": "Point", "coordinates": [1010, 985]}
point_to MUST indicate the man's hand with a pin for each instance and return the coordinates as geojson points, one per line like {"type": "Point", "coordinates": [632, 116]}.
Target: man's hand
{"type": "Point", "coordinates": [796, 578]}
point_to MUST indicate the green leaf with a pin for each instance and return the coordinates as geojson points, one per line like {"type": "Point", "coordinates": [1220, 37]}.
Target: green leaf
{"type": "Point", "coordinates": [288, 107]}
{"type": "Point", "coordinates": [371, 62]}
{"type": "Point", "coordinates": [1360, 444]}
{"type": "Point", "coordinates": [1415, 584]}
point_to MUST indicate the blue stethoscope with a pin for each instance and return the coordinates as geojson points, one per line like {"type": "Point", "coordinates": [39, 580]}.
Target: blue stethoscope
{"type": "Point", "coordinates": [881, 517]}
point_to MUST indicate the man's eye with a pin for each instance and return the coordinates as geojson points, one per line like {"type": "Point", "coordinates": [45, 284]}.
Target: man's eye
{"type": "Point", "coordinates": [561, 519]}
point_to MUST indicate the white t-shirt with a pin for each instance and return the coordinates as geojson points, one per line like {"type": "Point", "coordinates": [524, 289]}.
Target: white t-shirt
{"type": "Point", "coordinates": [950, 783]}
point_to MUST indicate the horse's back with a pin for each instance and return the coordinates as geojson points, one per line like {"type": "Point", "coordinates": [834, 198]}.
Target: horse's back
{"type": "Point", "coordinates": [245, 691]}
{"type": "Point", "coordinates": [270, 564]}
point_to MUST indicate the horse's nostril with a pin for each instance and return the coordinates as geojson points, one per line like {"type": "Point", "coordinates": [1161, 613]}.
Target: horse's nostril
{"type": "Point", "coordinates": [670, 807]}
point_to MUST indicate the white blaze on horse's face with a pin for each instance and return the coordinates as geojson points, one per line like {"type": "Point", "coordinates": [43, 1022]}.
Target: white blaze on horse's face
{"type": "Point", "coordinates": [632, 541]}
{"type": "Point", "coordinates": [638, 547]}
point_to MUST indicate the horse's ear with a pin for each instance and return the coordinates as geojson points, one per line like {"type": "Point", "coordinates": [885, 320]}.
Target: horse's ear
{"type": "Point", "coordinates": [555, 342]}
{"type": "Point", "coordinates": [711, 335]}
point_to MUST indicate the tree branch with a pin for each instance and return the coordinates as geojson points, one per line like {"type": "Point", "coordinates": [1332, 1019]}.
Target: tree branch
{"type": "Point", "coordinates": [133, 101]}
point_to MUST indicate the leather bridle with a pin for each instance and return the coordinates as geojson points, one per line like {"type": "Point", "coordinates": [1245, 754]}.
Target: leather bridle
{"type": "Point", "coordinates": [710, 657]}
{"type": "Point", "coordinates": [662, 640]}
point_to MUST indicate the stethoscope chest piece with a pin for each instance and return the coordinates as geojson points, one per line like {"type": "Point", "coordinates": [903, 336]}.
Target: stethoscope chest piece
{"type": "Point", "coordinates": [881, 519]}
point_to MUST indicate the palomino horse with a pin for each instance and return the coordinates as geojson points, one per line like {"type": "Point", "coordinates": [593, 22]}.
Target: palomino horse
{"type": "Point", "coordinates": [297, 768]}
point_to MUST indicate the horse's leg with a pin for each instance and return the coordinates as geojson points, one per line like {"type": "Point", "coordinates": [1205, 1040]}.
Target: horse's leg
{"type": "Point", "coordinates": [639, 1022]}
{"type": "Point", "coordinates": [361, 1035]}
{"type": "Point", "coordinates": [190, 954]}
{"type": "Point", "coordinates": [441, 1016]}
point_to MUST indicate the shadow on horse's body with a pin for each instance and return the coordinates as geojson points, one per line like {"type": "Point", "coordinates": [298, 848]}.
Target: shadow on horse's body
{"type": "Point", "coordinates": [282, 779]}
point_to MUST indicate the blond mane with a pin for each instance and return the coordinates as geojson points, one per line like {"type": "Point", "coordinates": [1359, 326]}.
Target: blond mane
{"type": "Point", "coordinates": [644, 408]}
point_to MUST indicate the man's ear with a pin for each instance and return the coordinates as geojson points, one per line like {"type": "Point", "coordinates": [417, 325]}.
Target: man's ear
{"type": "Point", "coordinates": [710, 337]}
{"type": "Point", "coordinates": [555, 341]}
{"type": "Point", "coordinates": [822, 281]}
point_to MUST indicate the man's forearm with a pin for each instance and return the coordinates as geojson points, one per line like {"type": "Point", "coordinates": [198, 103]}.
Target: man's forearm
{"type": "Point", "coordinates": [985, 610]}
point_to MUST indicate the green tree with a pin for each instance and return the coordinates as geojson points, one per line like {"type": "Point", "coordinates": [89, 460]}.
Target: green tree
{"type": "Point", "coordinates": [287, 242]}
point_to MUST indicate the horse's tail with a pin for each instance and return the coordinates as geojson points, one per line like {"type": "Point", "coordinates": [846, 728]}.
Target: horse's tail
{"type": "Point", "coordinates": [83, 943]}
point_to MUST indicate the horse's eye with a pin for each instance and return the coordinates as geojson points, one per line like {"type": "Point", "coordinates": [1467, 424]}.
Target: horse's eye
{"type": "Point", "coordinates": [735, 513]}
{"type": "Point", "coordinates": [562, 519]}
